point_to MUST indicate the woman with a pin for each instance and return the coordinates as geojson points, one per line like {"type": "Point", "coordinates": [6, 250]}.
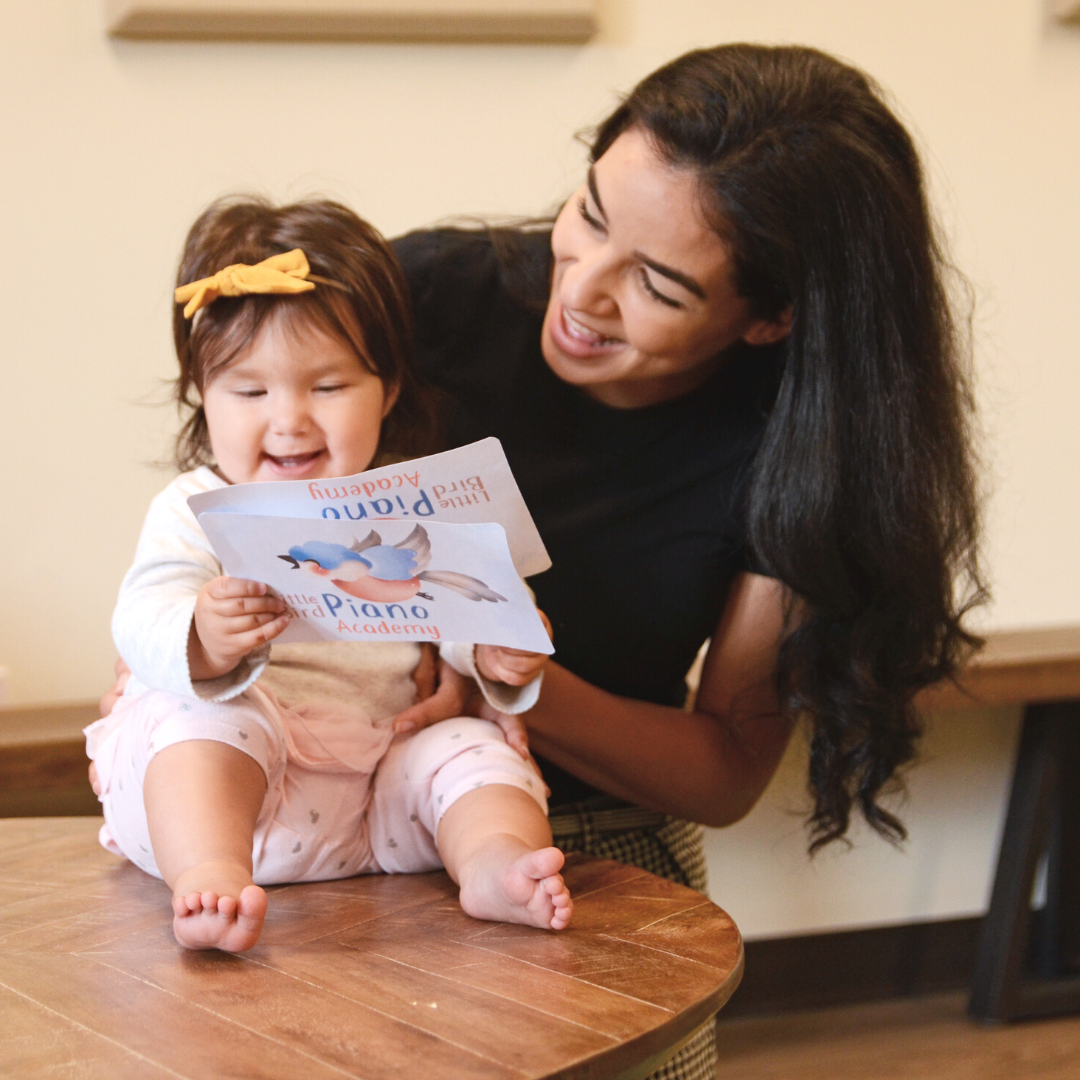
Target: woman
{"type": "Point", "coordinates": [730, 388]}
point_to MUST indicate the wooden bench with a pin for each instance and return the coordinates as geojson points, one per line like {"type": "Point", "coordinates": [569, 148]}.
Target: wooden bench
{"type": "Point", "coordinates": [43, 761]}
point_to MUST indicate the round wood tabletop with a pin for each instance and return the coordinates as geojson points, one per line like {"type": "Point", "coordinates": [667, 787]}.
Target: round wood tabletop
{"type": "Point", "coordinates": [373, 977]}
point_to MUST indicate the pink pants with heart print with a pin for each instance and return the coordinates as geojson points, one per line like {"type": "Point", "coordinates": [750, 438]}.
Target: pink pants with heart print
{"type": "Point", "coordinates": [343, 796]}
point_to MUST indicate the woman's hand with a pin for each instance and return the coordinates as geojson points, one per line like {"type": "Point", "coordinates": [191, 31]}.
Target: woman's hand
{"type": "Point", "coordinates": [106, 704]}
{"type": "Point", "coordinates": [455, 695]}
{"type": "Point", "coordinates": [116, 691]}
{"type": "Point", "coordinates": [232, 617]}
{"type": "Point", "coordinates": [452, 696]}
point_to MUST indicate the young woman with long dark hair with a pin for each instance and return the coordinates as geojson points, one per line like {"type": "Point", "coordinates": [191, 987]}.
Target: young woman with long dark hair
{"type": "Point", "coordinates": [731, 387]}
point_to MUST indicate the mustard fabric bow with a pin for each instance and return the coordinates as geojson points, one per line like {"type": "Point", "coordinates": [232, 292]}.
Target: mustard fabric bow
{"type": "Point", "coordinates": [278, 274]}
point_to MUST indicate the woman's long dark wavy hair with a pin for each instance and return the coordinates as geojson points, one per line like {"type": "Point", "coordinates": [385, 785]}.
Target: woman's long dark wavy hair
{"type": "Point", "coordinates": [863, 498]}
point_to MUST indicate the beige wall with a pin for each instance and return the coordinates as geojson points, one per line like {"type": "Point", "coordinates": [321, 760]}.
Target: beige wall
{"type": "Point", "coordinates": [108, 150]}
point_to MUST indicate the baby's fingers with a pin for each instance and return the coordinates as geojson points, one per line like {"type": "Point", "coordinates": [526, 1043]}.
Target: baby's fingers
{"type": "Point", "coordinates": [239, 606]}
{"type": "Point", "coordinates": [511, 666]}
{"type": "Point", "coordinates": [266, 628]}
{"type": "Point", "coordinates": [222, 588]}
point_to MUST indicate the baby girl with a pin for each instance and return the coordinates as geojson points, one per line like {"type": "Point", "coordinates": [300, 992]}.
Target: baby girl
{"type": "Point", "coordinates": [230, 764]}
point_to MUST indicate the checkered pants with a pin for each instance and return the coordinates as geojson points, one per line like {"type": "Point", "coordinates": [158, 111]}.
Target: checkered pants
{"type": "Point", "coordinates": [664, 846]}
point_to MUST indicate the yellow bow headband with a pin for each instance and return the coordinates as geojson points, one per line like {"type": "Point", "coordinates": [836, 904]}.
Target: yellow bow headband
{"type": "Point", "coordinates": [286, 273]}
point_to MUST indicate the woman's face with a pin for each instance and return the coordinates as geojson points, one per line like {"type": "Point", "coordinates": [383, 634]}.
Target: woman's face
{"type": "Point", "coordinates": [643, 298]}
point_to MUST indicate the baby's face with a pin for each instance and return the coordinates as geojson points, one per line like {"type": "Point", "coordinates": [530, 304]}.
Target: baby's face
{"type": "Point", "coordinates": [297, 404]}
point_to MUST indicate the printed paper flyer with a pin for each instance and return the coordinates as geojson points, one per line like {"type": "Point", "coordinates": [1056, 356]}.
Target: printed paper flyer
{"type": "Point", "coordinates": [472, 484]}
{"type": "Point", "coordinates": [387, 581]}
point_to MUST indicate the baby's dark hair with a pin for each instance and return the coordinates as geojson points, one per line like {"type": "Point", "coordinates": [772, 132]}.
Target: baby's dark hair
{"type": "Point", "coordinates": [369, 309]}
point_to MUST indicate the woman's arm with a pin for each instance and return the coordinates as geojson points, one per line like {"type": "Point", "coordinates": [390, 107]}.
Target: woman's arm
{"type": "Point", "coordinates": [710, 765]}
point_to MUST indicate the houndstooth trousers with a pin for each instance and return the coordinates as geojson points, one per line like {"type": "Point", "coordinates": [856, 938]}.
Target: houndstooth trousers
{"type": "Point", "coordinates": [664, 846]}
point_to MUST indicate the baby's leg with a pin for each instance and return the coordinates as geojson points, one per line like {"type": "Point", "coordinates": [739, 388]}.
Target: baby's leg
{"type": "Point", "coordinates": [495, 842]}
{"type": "Point", "coordinates": [456, 794]}
{"type": "Point", "coordinates": [202, 801]}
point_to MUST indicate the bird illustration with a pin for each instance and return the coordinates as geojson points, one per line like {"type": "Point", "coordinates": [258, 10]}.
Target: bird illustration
{"type": "Point", "coordinates": [371, 570]}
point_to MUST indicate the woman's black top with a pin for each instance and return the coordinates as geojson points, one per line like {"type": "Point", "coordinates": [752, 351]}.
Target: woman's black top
{"type": "Point", "coordinates": [642, 510]}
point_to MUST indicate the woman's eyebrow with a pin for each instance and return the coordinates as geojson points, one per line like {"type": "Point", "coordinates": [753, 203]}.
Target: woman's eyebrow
{"type": "Point", "coordinates": [594, 191]}
{"type": "Point", "coordinates": [669, 272]}
{"type": "Point", "coordinates": [677, 276]}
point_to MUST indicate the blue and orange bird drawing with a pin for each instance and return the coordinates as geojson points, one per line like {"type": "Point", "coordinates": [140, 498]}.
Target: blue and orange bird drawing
{"type": "Point", "coordinates": [371, 570]}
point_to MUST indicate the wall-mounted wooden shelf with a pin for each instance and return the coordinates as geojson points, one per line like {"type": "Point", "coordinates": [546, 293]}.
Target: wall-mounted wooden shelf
{"type": "Point", "coordinates": [354, 20]}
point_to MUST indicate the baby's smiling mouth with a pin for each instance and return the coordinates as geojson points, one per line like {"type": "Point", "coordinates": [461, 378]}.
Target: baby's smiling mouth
{"type": "Point", "coordinates": [292, 461]}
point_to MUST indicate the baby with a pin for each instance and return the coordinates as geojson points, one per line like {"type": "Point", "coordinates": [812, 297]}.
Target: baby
{"type": "Point", "coordinates": [229, 764]}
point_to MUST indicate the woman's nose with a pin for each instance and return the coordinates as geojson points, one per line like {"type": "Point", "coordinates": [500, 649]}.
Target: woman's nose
{"type": "Point", "coordinates": [588, 284]}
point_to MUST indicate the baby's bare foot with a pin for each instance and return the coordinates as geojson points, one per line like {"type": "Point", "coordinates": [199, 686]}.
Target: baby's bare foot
{"type": "Point", "coordinates": [503, 884]}
{"type": "Point", "coordinates": [217, 906]}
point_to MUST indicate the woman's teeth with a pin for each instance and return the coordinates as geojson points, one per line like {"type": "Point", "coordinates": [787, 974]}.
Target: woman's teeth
{"type": "Point", "coordinates": [583, 333]}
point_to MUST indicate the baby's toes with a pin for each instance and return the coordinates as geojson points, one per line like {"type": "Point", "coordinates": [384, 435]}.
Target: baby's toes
{"type": "Point", "coordinates": [193, 903]}
{"type": "Point", "coordinates": [226, 906]}
{"type": "Point", "coordinates": [209, 900]}
{"type": "Point", "coordinates": [562, 913]}
{"type": "Point", "coordinates": [554, 884]}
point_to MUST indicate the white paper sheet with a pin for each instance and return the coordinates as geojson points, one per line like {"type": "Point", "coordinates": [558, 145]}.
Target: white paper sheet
{"type": "Point", "coordinates": [469, 484]}
{"type": "Point", "coordinates": [382, 580]}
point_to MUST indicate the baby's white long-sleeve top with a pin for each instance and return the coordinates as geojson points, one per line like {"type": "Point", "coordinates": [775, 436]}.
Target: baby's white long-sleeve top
{"type": "Point", "coordinates": [154, 612]}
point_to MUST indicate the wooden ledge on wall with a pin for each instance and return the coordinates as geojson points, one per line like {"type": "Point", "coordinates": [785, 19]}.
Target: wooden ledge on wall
{"type": "Point", "coordinates": [1016, 667]}
{"type": "Point", "coordinates": [43, 763]}
{"type": "Point", "coordinates": [498, 21]}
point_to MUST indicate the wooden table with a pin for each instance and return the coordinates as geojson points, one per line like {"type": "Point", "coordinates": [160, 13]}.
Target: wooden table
{"type": "Point", "coordinates": [1028, 963]}
{"type": "Point", "coordinates": [369, 977]}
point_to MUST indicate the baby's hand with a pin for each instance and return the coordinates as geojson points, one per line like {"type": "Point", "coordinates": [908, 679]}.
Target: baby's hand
{"type": "Point", "coordinates": [512, 666]}
{"type": "Point", "coordinates": [232, 617]}
{"type": "Point", "coordinates": [516, 667]}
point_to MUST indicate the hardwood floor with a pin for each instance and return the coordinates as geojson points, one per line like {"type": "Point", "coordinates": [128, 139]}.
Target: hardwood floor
{"type": "Point", "coordinates": [911, 1039]}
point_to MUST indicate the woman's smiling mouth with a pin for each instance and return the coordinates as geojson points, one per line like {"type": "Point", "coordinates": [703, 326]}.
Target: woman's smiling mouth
{"type": "Point", "coordinates": [577, 339]}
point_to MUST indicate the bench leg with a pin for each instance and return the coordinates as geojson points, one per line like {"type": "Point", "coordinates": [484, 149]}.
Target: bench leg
{"type": "Point", "coordinates": [1043, 817]}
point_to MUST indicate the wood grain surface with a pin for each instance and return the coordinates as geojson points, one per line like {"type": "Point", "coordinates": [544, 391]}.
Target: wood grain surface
{"type": "Point", "coordinates": [373, 977]}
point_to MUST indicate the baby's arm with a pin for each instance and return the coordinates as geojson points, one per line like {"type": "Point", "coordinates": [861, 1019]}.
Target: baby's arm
{"type": "Point", "coordinates": [154, 617]}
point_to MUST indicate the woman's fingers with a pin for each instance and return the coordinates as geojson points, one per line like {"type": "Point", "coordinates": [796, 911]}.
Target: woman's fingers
{"type": "Point", "coordinates": [513, 728]}
{"type": "Point", "coordinates": [450, 699]}
{"type": "Point", "coordinates": [426, 674]}
{"type": "Point", "coordinates": [116, 691]}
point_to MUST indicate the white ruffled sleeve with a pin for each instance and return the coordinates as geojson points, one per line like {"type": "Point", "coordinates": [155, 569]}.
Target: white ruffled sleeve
{"type": "Point", "coordinates": [154, 611]}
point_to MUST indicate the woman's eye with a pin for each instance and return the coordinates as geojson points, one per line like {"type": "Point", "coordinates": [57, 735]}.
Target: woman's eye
{"type": "Point", "coordinates": [583, 209]}
{"type": "Point", "coordinates": [655, 293]}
